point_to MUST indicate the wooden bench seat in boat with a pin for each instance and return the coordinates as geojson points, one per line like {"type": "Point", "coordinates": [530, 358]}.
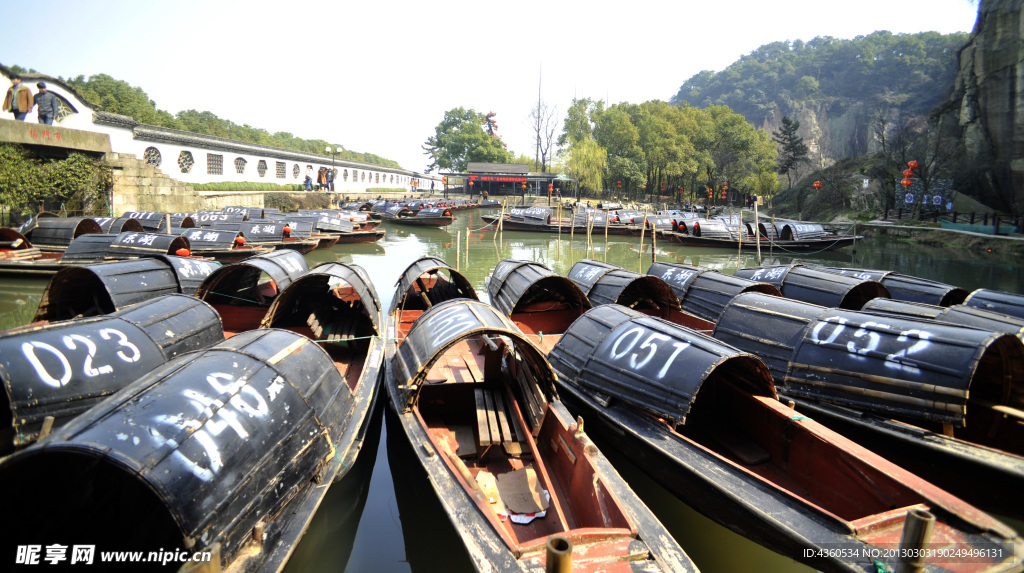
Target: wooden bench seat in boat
{"type": "Point", "coordinates": [495, 424]}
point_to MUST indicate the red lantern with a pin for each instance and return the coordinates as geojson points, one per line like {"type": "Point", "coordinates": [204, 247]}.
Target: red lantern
{"type": "Point", "coordinates": [182, 252]}
{"type": "Point", "coordinates": [913, 164]}
{"type": "Point", "coordinates": [618, 184]}
{"type": "Point", "coordinates": [908, 172]}
{"type": "Point", "coordinates": [906, 182]}
{"type": "Point", "coordinates": [817, 184]}
{"type": "Point", "coordinates": [709, 194]}
{"type": "Point", "coordinates": [470, 183]}
{"type": "Point", "coordinates": [524, 186]}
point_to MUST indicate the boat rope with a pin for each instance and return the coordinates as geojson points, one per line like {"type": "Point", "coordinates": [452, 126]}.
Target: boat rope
{"type": "Point", "coordinates": [482, 228]}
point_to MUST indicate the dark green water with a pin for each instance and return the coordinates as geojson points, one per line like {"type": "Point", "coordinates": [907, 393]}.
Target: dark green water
{"type": "Point", "coordinates": [384, 517]}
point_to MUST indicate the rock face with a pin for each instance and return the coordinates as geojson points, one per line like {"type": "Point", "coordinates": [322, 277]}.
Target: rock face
{"type": "Point", "coordinates": [988, 98]}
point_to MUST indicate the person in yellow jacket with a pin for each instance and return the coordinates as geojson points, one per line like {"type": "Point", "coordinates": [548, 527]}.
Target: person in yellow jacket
{"type": "Point", "coordinates": [19, 99]}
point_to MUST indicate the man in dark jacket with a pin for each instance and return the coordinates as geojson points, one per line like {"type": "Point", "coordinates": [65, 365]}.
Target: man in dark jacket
{"type": "Point", "coordinates": [46, 104]}
{"type": "Point", "coordinates": [18, 100]}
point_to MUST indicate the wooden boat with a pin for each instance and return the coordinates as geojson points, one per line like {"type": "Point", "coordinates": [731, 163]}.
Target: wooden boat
{"type": "Point", "coordinates": [538, 300]}
{"type": "Point", "coordinates": [58, 370]}
{"type": "Point", "coordinates": [242, 292]}
{"type": "Point", "coordinates": [102, 288]}
{"type": "Point", "coordinates": [269, 233]}
{"type": "Point", "coordinates": [512, 469]}
{"type": "Point", "coordinates": [817, 286]}
{"type": "Point", "coordinates": [227, 452]}
{"type": "Point", "coordinates": [942, 400]}
{"type": "Point", "coordinates": [92, 248]}
{"type": "Point", "coordinates": [111, 225]}
{"type": "Point", "coordinates": [427, 217]}
{"type": "Point", "coordinates": [795, 237]}
{"type": "Point", "coordinates": [347, 229]}
{"type": "Point", "coordinates": [703, 419]}
{"type": "Point", "coordinates": [908, 288]}
{"type": "Point", "coordinates": [54, 234]}
{"type": "Point", "coordinates": [336, 306]}
{"type": "Point", "coordinates": [705, 293]}
{"type": "Point", "coordinates": [1006, 303]}
{"type": "Point", "coordinates": [960, 314]}
{"type": "Point", "coordinates": [157, 222]}
{"type": "Point", "coordinates": [544, 220]}
{"type": "Point", "coordinates": [223, 245]}
{"type": "Point", "coordinates": [609, 284]}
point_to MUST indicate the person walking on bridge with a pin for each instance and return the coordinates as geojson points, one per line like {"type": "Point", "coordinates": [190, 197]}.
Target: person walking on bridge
{"type": "Point", "coordinates": [46, 104]}
{"type": "Point", "coordinates": [18, 100]}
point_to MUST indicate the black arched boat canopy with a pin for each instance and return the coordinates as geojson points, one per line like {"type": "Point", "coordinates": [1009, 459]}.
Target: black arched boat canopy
{"type": "Point", "coordinates": [445, 325]}
{"type": "Point", "coordinates": [706, 292]}
{"type": "Point", "coordinates": [517, 284]}
{"type": "Point", "coordinates": [956, 314]}
{"type": "Point", "coordinates": [429, 281]}
{"type": "Point", "coordinates": [102, 288]}
{"type": "Point", "coordinates": [240, 282]}
{"type": "Point", "coordinates": [228, 437]}
{"type": "Point", "coordinates": [997, 301]}
{"type": "Point", "coordinates": [908, 288]}
{"type": "Point", "coordinates": [807, 284]}
{"type": "Point", "coordinates": [615, 352]}
{"type": "Point", "coordinates": [906, 368]}
{"type": "Point", "coordinates": [328, 289]}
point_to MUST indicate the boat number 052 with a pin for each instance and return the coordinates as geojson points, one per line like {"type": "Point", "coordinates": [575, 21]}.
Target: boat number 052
{"type": "Point", "coordinates": [629, 340]}
{"type": "Point", "coordinates": [31, 349]}
{"type": "Point", "coordinates": [865, 341]}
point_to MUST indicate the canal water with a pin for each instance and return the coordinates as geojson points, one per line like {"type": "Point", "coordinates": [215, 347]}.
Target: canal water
{"type": "Point", "coordinates": [383, 517]}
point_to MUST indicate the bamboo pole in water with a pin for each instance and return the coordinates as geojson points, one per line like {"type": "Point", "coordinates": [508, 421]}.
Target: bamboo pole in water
{"type": "Point", "coordinates": [467, 248]}
{"type": "Point", "coordinates": [739, 250]}
{"type": "Point", "coordinates": [640, 258]}
{"type": "Point", "coordinates": [654, 241]}
{"type": "Point", "coordinates": [572, 225]}
{"type": "Point", "coordinates": [757, 233]}
{"type": "Point", "coordinates": [458, 244]}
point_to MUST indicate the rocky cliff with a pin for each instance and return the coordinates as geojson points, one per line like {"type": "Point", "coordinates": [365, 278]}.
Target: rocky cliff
{"type": "Point", "coordinates": [988, 100]}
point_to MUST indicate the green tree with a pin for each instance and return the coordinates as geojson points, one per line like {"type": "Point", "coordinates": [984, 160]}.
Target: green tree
{"type": "Point", "coordinates": [587, 163]}
{"type": "Point", "coordinates": [579, 123]}
{"type": "Point", "coordinates": [793, 150]}
{"type": "Point", "coordinates": [459, 139]}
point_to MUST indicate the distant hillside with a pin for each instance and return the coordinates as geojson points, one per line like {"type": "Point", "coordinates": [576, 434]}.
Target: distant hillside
{"type": "Point", "coordinates": [833, 86]}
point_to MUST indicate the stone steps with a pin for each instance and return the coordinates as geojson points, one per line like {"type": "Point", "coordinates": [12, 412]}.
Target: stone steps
{"type": "Point", "coordinates": [139, 186]}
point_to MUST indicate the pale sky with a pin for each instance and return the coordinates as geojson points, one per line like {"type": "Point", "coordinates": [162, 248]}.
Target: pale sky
{"type": "Point", "coordinates": [377, 76]}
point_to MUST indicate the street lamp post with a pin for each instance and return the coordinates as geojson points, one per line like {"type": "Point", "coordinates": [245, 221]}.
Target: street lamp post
{"type": "Point", "coordinates": [332, 151]}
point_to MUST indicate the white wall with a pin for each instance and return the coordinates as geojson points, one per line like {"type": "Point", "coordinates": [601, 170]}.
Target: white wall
{"type": "Point", "coordinates": [127, 137]}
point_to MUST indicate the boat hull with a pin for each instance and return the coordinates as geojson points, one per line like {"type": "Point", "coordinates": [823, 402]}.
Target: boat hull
{"type": "Point", "coordinates": [726, 495]}
{"type": "Point", "coordinates": [805, 245]}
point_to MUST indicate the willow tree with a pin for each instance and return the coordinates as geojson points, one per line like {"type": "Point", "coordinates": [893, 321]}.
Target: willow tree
{"type": "Point", "coordinates": [587, 164]}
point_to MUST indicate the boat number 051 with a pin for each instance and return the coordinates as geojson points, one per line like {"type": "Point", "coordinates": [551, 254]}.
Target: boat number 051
{"type": "Point", "coordinates": [626, 342]}
{"type": "Point", "coordinates": [31, 349]}
{"type": "Point", "coordinates": [865, 341]}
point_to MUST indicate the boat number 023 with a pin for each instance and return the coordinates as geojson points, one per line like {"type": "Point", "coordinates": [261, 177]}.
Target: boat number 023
{"type": "Point", "coordinates": [627, 347]}
{"type": "Point", "coordinates": [129, 354]}
{"type": "Point", "coordinates": [865, 340]}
